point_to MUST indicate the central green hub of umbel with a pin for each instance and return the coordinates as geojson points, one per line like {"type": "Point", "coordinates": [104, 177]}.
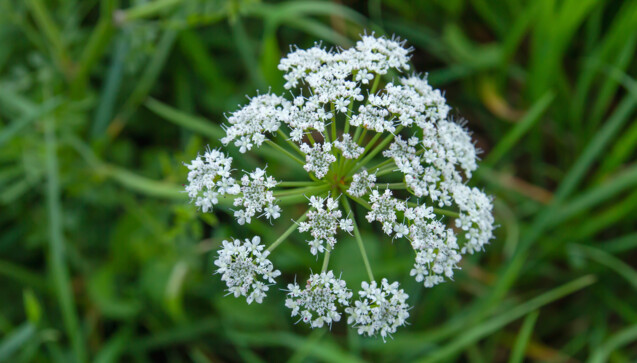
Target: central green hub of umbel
{"type": "Point", "coordinates": [337, 181]}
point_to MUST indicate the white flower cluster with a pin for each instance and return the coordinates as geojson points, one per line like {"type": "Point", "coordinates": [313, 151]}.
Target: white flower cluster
{"type": "Point", "coordinates": [384, 208]}
{"type": "Point", "coordinates": [209, 177]}
{"type": "Point", "coordinates": [349, 148]}
{"type": "Point", "coordinates": [323, 222]}
{"type": "Point", "coordinates": [320, 68]}
{"type": "Point", "coordinates": [248, 126]}
{"type": "Point", "coordinates": [380, 310]}
{"type": "Point", "coordinates": [402, 136]}
{"type": "Point", "coordinates": [476, 217]}
{"type": "Point", "coordinates": [256, 197]}
{"type": "Point", "coordinates": [318, 158]}
{"type": "Point", "coordinates": [362, 183]}
{"type": "Point", "coordinates": [318, 303]}
{"type": "Point", "coordinates": [432, 170]}
{"type": "Point", "coordinates": [246, 269]}
{"type": "Point", "coordinates": [436, 247]}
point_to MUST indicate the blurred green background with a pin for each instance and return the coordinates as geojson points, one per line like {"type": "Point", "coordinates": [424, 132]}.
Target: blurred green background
{"type": "Point", "coordinates": [103, 260]}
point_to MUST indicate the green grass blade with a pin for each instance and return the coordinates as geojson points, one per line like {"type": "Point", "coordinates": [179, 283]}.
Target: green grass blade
{"type": "Point", "coordinates": [619, 339]}
{"type": "Point", "coordinates": [194, 123]}
{"type": "Point", "coordinates": [621, 244]}
{"type": "Point", "coordinates": [114, 347]}
{"type": "Point", "coordinates": [148, 9]}
{"type": "Point", "coordinates": [547, 217]}
{"type": "Point", "coordinates": [318, 30]}
{"type": "Point", "coordinates": [57, 258]}
{"type": "Point", "coordinates": [474, 334]}
{"type": "Point", "coordinates": [245, 49]}
{"type": "Point", "coordinates": [14, 341]}
{"type": "Point", "coordinates": [105, 108]}
{"type": "Point", "coordinates": [625, 180]}
{"type": "Point", "coordinates": [18, 125]}
{"type": "Point", "coordinates": [151, 74]}
{"type": "Point", "coordinates": [325, 350]}
{"type": "Point", "coordinates": [609, 261]}
{"type": "Point", "coordinates": [522, 341]}
{"type": "Point", "coordinates": [52, 33]}
{"type": "Point", "coordinates": [522, 127]}
{"type": "Point", "coordinates": [96, 46]}
{"type": "Point", "coordinates": [24, 276]}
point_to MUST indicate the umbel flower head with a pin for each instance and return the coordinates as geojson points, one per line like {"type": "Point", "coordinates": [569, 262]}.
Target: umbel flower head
{"type": "Point", "coordinates": [362, 137]}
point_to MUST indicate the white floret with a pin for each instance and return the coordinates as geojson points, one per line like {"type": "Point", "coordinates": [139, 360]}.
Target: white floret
{"type": "Point", "coordinates": [318, 303]}
{"type": "Point", "coordinates": [249, 125]}
{"type": "Point", "coordinates": [318, 158]}
{"type": "Point", "coordinates": [245, 268]}
{"type": "Point", "coordinates": [256, 197]}
{"type": "Point", "coordinates": [349, 148]}
{"type": "Point", "coordinates": [362, 183]}
{"type": "Point", "coordinates": [323, 222]}
{"type": "Point", "coordinates": [209, 178]}
{"type": "Point", "coordinates": [380, 309]}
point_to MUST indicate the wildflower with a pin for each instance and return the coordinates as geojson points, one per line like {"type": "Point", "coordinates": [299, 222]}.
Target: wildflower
{"type": "Point", "coordinates": [323, 221]}
{"type": "Point", "coordinates": [349, 148]}
{"type": "Point", "coordinates": [388, 145]}
{"type": "Point", "coordinates": [318, 158]}
{"type": "Point", "coordinates": [380, 309]}
{"type": "Point", "coordinates": [209, 176]}
{"type": "Point", "coordinates": [476, 217]}
{"type": "Point", "coordinates": [384, 209]}
{"type": "Point", "coordinates": [248, 126]}
{"type": "Point", "coordinates": [317, 304]}
{"type": "Point", "coordinates": [246, 269]}
{"type": "Point", "coordinates": [256, 197]}
{"type": "Point", "coordinates": [361, 184]}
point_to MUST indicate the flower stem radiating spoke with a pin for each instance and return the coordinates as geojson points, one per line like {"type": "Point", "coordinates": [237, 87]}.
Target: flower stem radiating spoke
{"type": "Point", "coordinates": [288, 232]}
{"type": "Point", "coordinates": [281, 149]}
{"type": "Point", "coordinates": [290, 142]}
{"type": "Point", "coordinates": [359, 239]}
{"type": "Point", "coordinates": [301, 191]}
{"type": "Point", "coordinates": [326, 259]}
{"type": "Point", "coordinates": [299, 183]}
{"type": "Point", "coordinates": [376, 150]}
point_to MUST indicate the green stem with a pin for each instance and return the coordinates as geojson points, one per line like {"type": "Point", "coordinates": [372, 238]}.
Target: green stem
{"type": "Point", "coordinates": [386, 170]}
{"type": "Point", "coordinates": [445, 212]}
{"type": "Point", "coordinates": [359, 239]}
{"type": "Point", "coordinates": [291, 199]}
{"type": "Point", "coordinates": [290, 142]}
{"type": "Point", "coordinates": [281, 149]}
{"type": "Point", "coordinates": [396, 186]}
{"type": "Point", "coordinates": [357, 133]}
{"type": "Point", "coordinates": [287, 232]}
{"type": "Point", "coordinates": [360, 201]}
{"type": "Point", "coordinates": [375, 85]}
{"type": "Point", "coordinates": [371, 142]}
{"type": "Point", "coordinates": [362, 136]}
{"type": "Point", "coordinates": [381, 165]}
{"type": "Point", "coordinates": [326, 259]}
{"type": "Point", "coordinates": [333, 122]}
{"type": "Point", "coordinates": [376, 150]}
{"type": "Point", "coordinates": [301, 191]}
{"type": "Point", "coordinates": [311, 138]}
{"type": "Point", "coordinates": [298, 183]}
{"type": "Point", "coordinates": [349, 115]}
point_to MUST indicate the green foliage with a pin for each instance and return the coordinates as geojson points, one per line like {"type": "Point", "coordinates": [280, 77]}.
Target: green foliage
{"type": "Point", "coordinates": [102, 259]}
